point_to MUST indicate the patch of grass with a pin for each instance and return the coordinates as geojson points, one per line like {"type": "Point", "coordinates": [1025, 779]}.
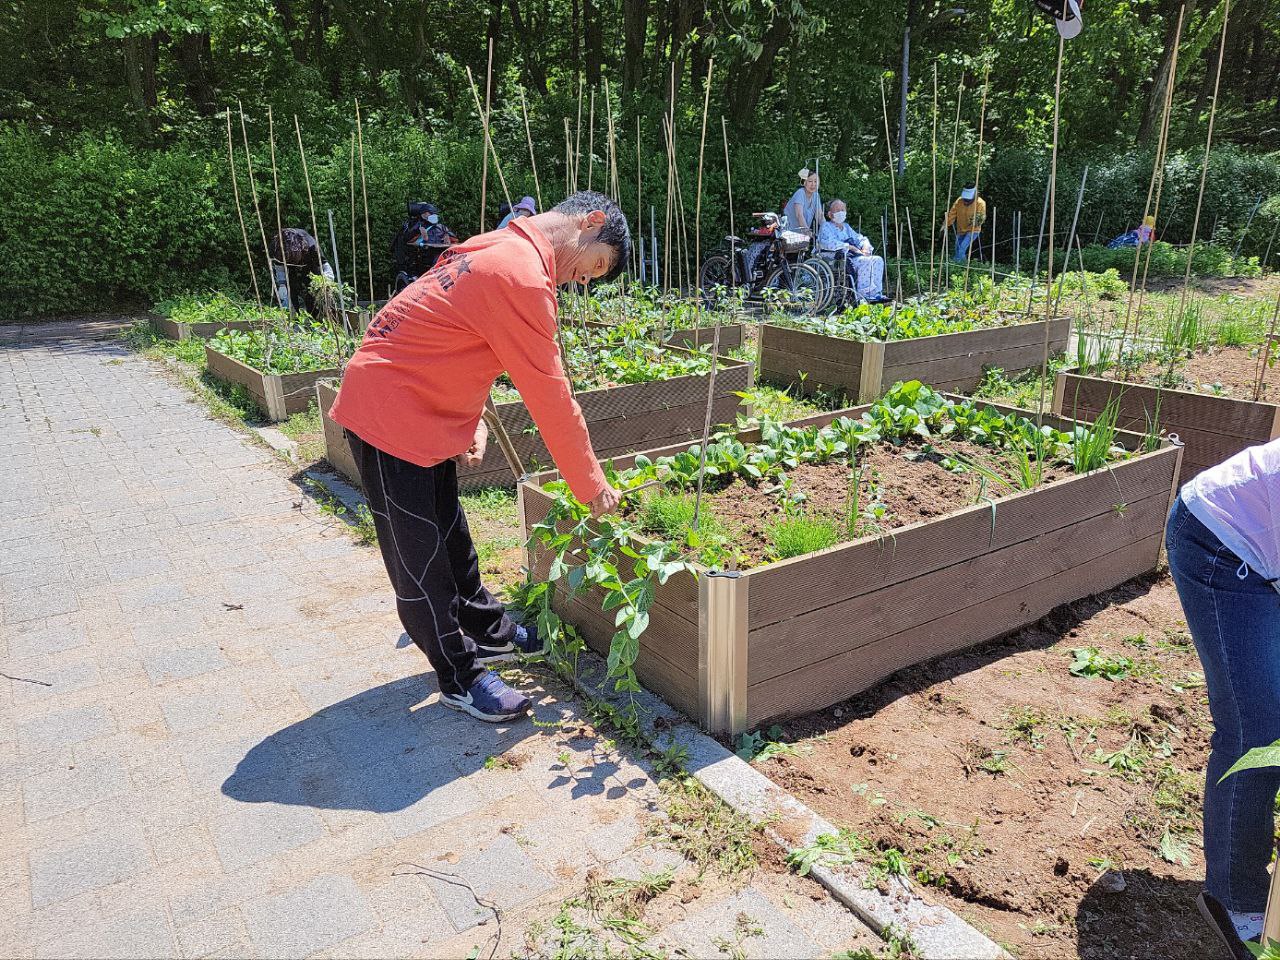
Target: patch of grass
{"type": "Point", "coordinates": [307, 430]}
{"type": "Point", "coordinates": [670, 516]}
{"type": "Point", "coordinates": [706, 830]}
{"type": "Point", "coordinates": [359, 522]}
{"type": "Point", "coordinates": [230, 403]}
{"type": "Point", "coordinates": [498, 762]}
{"type": "Point", "coordinates": [796, 536]}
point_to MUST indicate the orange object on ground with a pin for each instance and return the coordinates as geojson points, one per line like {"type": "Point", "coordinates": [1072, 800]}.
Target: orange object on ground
{"type": "Point", "coordinates": [416, 387]}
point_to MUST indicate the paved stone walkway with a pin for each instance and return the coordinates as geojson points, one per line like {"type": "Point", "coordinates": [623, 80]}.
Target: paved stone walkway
{"type": "Point", "coordinates": [213, 742]}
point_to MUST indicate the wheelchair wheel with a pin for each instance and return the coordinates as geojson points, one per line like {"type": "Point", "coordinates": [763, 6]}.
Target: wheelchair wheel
{"type": "Point", "coordinates": [714, 277]}
{"type": "Point", "coordinates": [828, 281]}
{"type": "Point", "coordinates": [805, 286]}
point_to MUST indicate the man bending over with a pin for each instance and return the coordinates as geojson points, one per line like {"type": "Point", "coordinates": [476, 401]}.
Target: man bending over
{"type": "Point", "coordinates": [411, 404]}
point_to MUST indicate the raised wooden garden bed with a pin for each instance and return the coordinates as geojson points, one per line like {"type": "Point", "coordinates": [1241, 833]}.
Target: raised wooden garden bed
{"type": "Point", "coordinates": [621, 419]}
{"type": "Point", "coordinates": [1210, 428]}
{"type": "Point", "coordinates": [864, 370]}
{"type": "Point", "coordinates": [277, 394]}
{"type": "Point", "coordinates": [731, 335]}
{"type": "Point", "coordinates": [735, 650]}
{"type": "Point", "coordinates": [173, 330]}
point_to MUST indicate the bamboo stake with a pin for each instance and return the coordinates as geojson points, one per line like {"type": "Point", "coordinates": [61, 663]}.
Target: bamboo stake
{"type": "Point", "coordinates": [1204, 166]}
{"type": "Point", "coordinates": [1075, 220]}
{"type": "Point", "coordinates": [706, 424]}
{"type": "Point", "coordinates": [640, 212]}
{"type": "Point", "coordinates": [893, 189]}
{"type": "Point", "coordinates": [257, 210]}
{"type": "Point", "coordinates": [311, 204]}
{"type": "Point", "coordinates": [915, 264]}
{"type": "Point", "coordinates": [484, 122]}
{"type": "Point", "coordinates": [533, 161]}
{"type": "Point", "coordinates": [666, 243]}
{"type": "Point", "coordinates": [1163, 150]}
{"type": "Point", "coordinates": [275, 180]}
{"type": "Point", "coordinates": [951, 178]}
{"type": "Point", "coordinates": [355, 262]}
{"type": "Point", "coordinates": [488, 146]}
{"type": "Point", "coordinates": [244, 233]}
{"type": "Point", "coordinates": [591, 138]}
{"type": "Point", "coordinates": [1053, 187]}
{"type": "Point", "coordinates": [933, 159]}
{"type": "Point", "coordinates": [577, 143]}
{"type": "Point", "coordinates": [993, 244]}
{"type": "Point", "coordinates": [364, 195]}
{"type": "Point", "coordinates": [697, 216]}
{"type": "Point", "coordinates": [1156, 171]}
{"type": "Point", "coordinates": [977, 171]}
{"type": "Point", "coordinates": [568, 159]}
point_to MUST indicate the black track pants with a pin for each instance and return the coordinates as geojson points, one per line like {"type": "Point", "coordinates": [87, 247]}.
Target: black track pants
{"type": "Point", "coordinates": [426, 546]}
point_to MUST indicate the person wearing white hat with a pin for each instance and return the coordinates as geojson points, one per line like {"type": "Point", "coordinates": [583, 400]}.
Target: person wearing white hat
{"type": "Point", "coordinates": [968, 213]}
{"type": "Point", "coordinates": [804, 208]}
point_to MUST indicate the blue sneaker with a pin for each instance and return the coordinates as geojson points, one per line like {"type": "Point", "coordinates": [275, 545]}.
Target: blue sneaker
{"type": "Point", "coordinates": [526, 643]}
{"type": "Point", "coordinates": [489, 699]}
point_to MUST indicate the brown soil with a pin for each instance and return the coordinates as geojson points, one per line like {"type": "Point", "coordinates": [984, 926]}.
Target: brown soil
{"type": "Point", "coordinates": [1225, 371]}
{"type": "Point", "coordinates": [982, 769]}
{"type": "Point", "coordinates": [909, 481]}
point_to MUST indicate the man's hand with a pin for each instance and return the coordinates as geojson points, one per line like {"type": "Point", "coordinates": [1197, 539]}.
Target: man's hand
{"type": "Point", "coordinates": [475, 453]}
{"type": "Point", "coordinates": [606, 502]}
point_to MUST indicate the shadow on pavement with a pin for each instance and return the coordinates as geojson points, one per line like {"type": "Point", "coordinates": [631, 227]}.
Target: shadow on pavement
{"type": "Point", "coordinates": [382, 750]}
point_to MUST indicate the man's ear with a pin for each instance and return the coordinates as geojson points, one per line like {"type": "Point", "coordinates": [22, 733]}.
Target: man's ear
{"type": "Point", "coordinates": [594, 220]}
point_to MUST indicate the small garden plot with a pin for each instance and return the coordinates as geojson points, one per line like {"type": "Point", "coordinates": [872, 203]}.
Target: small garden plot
{"type": "Point", "coordinates": [867, 348]}
{"type": "Point", "coordinates": [280, 363]}
{"type": "Point", "coordinates": [634, 395]}
{"type": "Point", "coordinates": [838, 550]}
{"type": "Point", "coordinates": [1208, 385]}
{"type": "Point", "coordinates": [680, 321]}
{"type": "Point", "coordinates": [205, 315]}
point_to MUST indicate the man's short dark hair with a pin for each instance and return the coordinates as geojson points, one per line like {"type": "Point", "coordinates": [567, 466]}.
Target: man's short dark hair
{"type": "Point", "coordinates": [614, 232]}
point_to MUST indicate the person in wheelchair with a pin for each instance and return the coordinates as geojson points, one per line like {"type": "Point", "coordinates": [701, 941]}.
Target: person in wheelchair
{"type": "Point", "coordinates": [850, 249]}
{"type": "Point", "coordinates": [419, 242]}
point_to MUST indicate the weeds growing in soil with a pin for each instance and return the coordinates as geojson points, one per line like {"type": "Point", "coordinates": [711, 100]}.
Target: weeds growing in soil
{"type": "Point", "coordinates": [796, 536]}
{"type": "Point", "coordinates": [1091, 662]}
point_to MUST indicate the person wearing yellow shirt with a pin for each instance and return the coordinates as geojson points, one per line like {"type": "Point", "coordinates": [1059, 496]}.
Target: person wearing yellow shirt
{"type": "Point", "coordinates": [968, 213]}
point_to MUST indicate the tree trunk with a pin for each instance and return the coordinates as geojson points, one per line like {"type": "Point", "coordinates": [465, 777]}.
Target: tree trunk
{"type": "Point", "coordinates": [751, 77]}
{"type": "Point", "coordinates": [592, 37]}
{"type": "Point", "coordinates": [132, 46]}
{"type": "Point", "coordinates": [1149, 128]}
{"type": "Point", "coordinates": [193, 55]}
{"type": "Point", "coordinates": [635, 30]}
{"type": "Point", "coordinates": [535, 73]}
{"type": "Point", "coordinates": [289, 24]}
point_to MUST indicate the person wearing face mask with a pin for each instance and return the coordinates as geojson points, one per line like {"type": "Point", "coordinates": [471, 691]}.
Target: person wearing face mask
{"type": "Point", "coordinates": [524, 207]}
{"type": "Point", "coordinates": [837, 238]}
{"type": "Point", "coordinates": [803, 208]}
{"type": "Point", "coordinates": [411, 404]}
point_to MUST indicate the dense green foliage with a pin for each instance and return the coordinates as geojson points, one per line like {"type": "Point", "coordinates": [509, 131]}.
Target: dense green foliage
{"type": "Point", "coordinates": [302, 347]}
{"type": "Point", "coordinates": [115, 186]}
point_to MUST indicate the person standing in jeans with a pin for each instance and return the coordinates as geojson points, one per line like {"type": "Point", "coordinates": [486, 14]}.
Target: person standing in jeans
{"type": "Point", "coordinates": [1223, 539]}
{"type": "Point", "coordinates": [411, 404]}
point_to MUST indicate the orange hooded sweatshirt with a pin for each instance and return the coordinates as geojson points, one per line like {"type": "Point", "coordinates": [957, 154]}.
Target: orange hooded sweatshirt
{"type": "Point", "coordinates": [416, 387]}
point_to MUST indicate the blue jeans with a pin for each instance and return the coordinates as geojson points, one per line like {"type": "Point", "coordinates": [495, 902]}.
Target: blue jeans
{"type": "Point", "coordinates": [1234, 619]}
{"type": "Point", "coordinates": [963, 242]}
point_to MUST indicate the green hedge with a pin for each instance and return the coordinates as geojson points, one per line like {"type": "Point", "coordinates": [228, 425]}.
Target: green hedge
{"type": "Point", "coordinates": [92, 223]}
